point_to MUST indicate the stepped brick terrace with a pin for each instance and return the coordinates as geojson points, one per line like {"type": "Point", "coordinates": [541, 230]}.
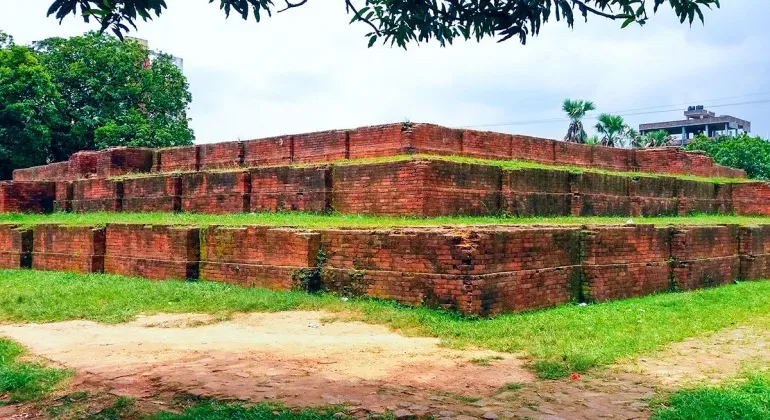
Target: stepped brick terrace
{"type": "Point", "coordinates": [419, 170]}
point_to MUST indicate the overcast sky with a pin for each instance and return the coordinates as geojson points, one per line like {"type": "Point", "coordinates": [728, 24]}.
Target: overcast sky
{"type": "Point", "coordinates": [307, 69]}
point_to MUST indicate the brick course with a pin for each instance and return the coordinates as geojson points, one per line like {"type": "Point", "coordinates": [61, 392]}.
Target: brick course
{"type": "Point", "coordinates": [27, 197]}
{"type": "Point", "coordinates": [154, 252]}
{"type": "Point", "coordinates": [15, 247]}
{"type": "Point", "coordinates": [68, 248]}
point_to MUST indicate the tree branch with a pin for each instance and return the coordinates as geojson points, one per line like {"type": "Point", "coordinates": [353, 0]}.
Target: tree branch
{"type": "Point", "coordinates": [586, 8]}
{"type": "Point", "coordinates": [290, 5]}
{"type": "Point", "coordinates": [350, 6]}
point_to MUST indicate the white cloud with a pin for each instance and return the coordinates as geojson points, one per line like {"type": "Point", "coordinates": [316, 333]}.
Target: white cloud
{"type": "Point", "coordinates": [307, 69]}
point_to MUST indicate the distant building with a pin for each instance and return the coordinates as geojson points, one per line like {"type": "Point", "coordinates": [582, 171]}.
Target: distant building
{"type": "Point", "coordinates": [699, 120]}
{"type": "Point", "coordinates": [155, 53]}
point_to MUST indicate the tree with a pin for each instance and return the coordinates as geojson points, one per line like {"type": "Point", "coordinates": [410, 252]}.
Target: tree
{"type": "Point", "coordinates": [576, 110]}
{"type": "Point", "coordinates": [405, 21]}
{"type": "Point", "coordinates": [613, 130]}
{"type": "Point", "coordinates": [27, 108]}
{"type": "Point", "coordinates": [657, 138]}
{"type": "Point", "coordinates": [113, 94]}
{"type": "Point", "coordinates": [751, 154]}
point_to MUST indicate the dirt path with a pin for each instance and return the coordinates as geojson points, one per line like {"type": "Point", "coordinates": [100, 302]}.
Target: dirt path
{"type": "Point", "coordinates": [298, 359]}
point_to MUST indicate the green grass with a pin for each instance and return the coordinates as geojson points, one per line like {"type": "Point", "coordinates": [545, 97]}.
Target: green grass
{"type": "Point", "coordinates": [213, 410]}
{"type": "Point", "coordinates": [503, 164]}
{"type": "Point", "coordinates": [318, 221]}
{"type": "Point", "coordinates": [746, 398]}
{"type": "Point", "coordinates": [24, 381]}
{"type": "Point", "coordinates": [566, 339]}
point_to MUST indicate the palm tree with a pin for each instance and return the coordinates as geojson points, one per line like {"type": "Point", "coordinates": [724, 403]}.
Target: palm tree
{"type": "Point", "coordinates": [576, 110]}
{"type": "Point", "coordinates": [613, 130]}
{"type": "Point", "coordinates": [658, 138]}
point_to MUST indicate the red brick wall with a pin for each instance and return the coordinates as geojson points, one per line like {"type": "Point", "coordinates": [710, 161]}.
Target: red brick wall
{"type": "Point", "coordinates": [154, 252]}
{"type": "Point", "coordinates": [573, 154]}
{"type": "Point", "coordinates": [151, 194]}
{"type": "Point", "coordinates": [379, 140]}
{"type": "Point", "coordinates": [533, 149]}
{"type": "Point", "coordinates": [625, 261]}
{"type": "Point", "coordinates": [27, 197]}
{"type": "Point", "coordinates": [227, 155]}
{"type": "Point", "coordinates": [215, 192]}
{"type": "Point", "coordinates": [269, 151]}
{"type": "Point", "coordinates": [98, 194]}
{"type": "Point", "coordinates": [322, 146]}
{"type": "Point", "coordinates": [654, 196]}
{"type": "Point", "coordinates": [461, 189]}
{"type": "Point", "coordinates": [82, 164]}
{"type": "Point", "coordinates": [256, 256]}
{"type": "Point", "coordinates": [68, 248]}
{"type": "Point", "coordinates": [51, 172]}
{"type": "Point", "coordinates": [291, 188]}
{"type": "Point", "coordinates": [705, 256]}
{"type": "Point", "coordinates": [172, 159]}
{"type": "Point", "coordinates": [124, 160]}
{"type": "Point", "coordinates": [64, 196]}
{"type": "Point", "coordinates": [755, 252]}
{"type": "Point", "coordinates": [485, 144]}
{"type": "Point", "coordinates": [600, 194]}
{"type": "Point", "coordinates": [751, 198]}
{"type": "Point", "coordinates": [393, 188]}
{"type": "Point", "coordinates": [435, 139]}
{"type": "Point", "coordinates": [15, 247]}
{"type": "Point", "coordinates": [612, 158]}
{"type": "Point", "coordinates": [536, 192]}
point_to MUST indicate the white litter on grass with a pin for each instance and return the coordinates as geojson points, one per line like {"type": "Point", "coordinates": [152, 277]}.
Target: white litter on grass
{"type": "Point", "coordinates": [629, 222]}
{"type": "Point", "coordinates": [312, 325]}
{"type": "Point", "coordinates": [582, 304]}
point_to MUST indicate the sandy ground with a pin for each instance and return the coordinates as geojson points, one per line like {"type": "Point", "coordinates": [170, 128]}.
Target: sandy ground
{"type": "Point", "coordinates": [299, 359]}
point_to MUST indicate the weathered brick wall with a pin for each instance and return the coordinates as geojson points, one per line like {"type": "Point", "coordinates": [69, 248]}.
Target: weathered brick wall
{"type": "Point", "coordinates": [291, 188]}
{"type": "Point", "coordinates": [484, 144]}
{"type": "Point", "coordinates": [255, 256]}
{"type": "Point", "coordinates": [124, 160]}
{"type": "Point", "coordinates": [98, 194]}
{"type": "Point", "coordinates": [227, 155]}
{"type": "Point", "coordinates": [751, 198]}
{"type": "Point", "coordinates": [435, 139]}
{"type": "Point", "coordinates": [15, 247]}
{"type": "Point", "coordinates": [476, 271]}
{"type": "Point", "coordinates": [83, 164]}
{"type": "Point", "coordinates": [152, 194]}
{"type": "Point", "coordinates": [27, 197]}
{"type": "Point", "coordinates": [177, 159]}
{"type": "Point", "coordinates": [269, 151]}
{"type": "Point", "coordinates": [392, 188]}
{"type": "Point", "coordinates": [215, 192]}
{"type": "Point", "coordinates": [705, 256]}
{"type": "Point", "coordinates": [573, 154]}
{"type": "Point", "coordinates": [460, 189]}
{"type": "Point", "coordinates": [600, 194]}
{"type": "Point", "coordinates": [625, 261]}
{"type": "Point", "coordinates": [379, 140]}
{"type": "Point", "coordinates": [755, 252]}
{"type": "Point", "coordinates": [68, 248]}
{"type": "Point", "coordinates": [612, 158]}
{"type": "Point", "coordinates": [536, 192]}
{"type": "Point", "coordinates": [533, 149]}
{"type": "Point", "coordinates": [51, 172]}
{"type": "Point", "coordinates": [154, 252]}
{"type": "Point", "coordinates": [65, 193]}
{"type": "Point", "coordinates": [654, 196]}
{"type": "Point", "coordinates": [319, 147]}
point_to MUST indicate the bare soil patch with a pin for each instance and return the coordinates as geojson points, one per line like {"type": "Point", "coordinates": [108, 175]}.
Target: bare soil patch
{"type": "Point", "coordinates": [298, 359]}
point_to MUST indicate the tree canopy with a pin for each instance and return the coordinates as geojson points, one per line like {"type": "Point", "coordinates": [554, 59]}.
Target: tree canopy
{"type": "Point", "coordinates": [751, 154]}
{"type": "Point", "coordinates": [89, 92]}
{"type": "Point", "coordinates": [401, 22]}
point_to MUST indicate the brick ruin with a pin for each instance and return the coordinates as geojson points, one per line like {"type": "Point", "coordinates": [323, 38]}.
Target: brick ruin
{"type": "Point", "coordinates": [262, 175]}
{"type": "Point", "coordinates": [480, 271]}
{"type": "Point", "coordinates": [476, 271]}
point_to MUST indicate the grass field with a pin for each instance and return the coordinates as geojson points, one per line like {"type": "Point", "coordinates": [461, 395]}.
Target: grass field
{"type": "Point", "coordinates": [309, 220]}
{"type": "Point", "coordinates": [24, 381]}
{"type": "Point", "coordinates": [558, 341]}
{"type": "Point", "coordinates": [746, 398]}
